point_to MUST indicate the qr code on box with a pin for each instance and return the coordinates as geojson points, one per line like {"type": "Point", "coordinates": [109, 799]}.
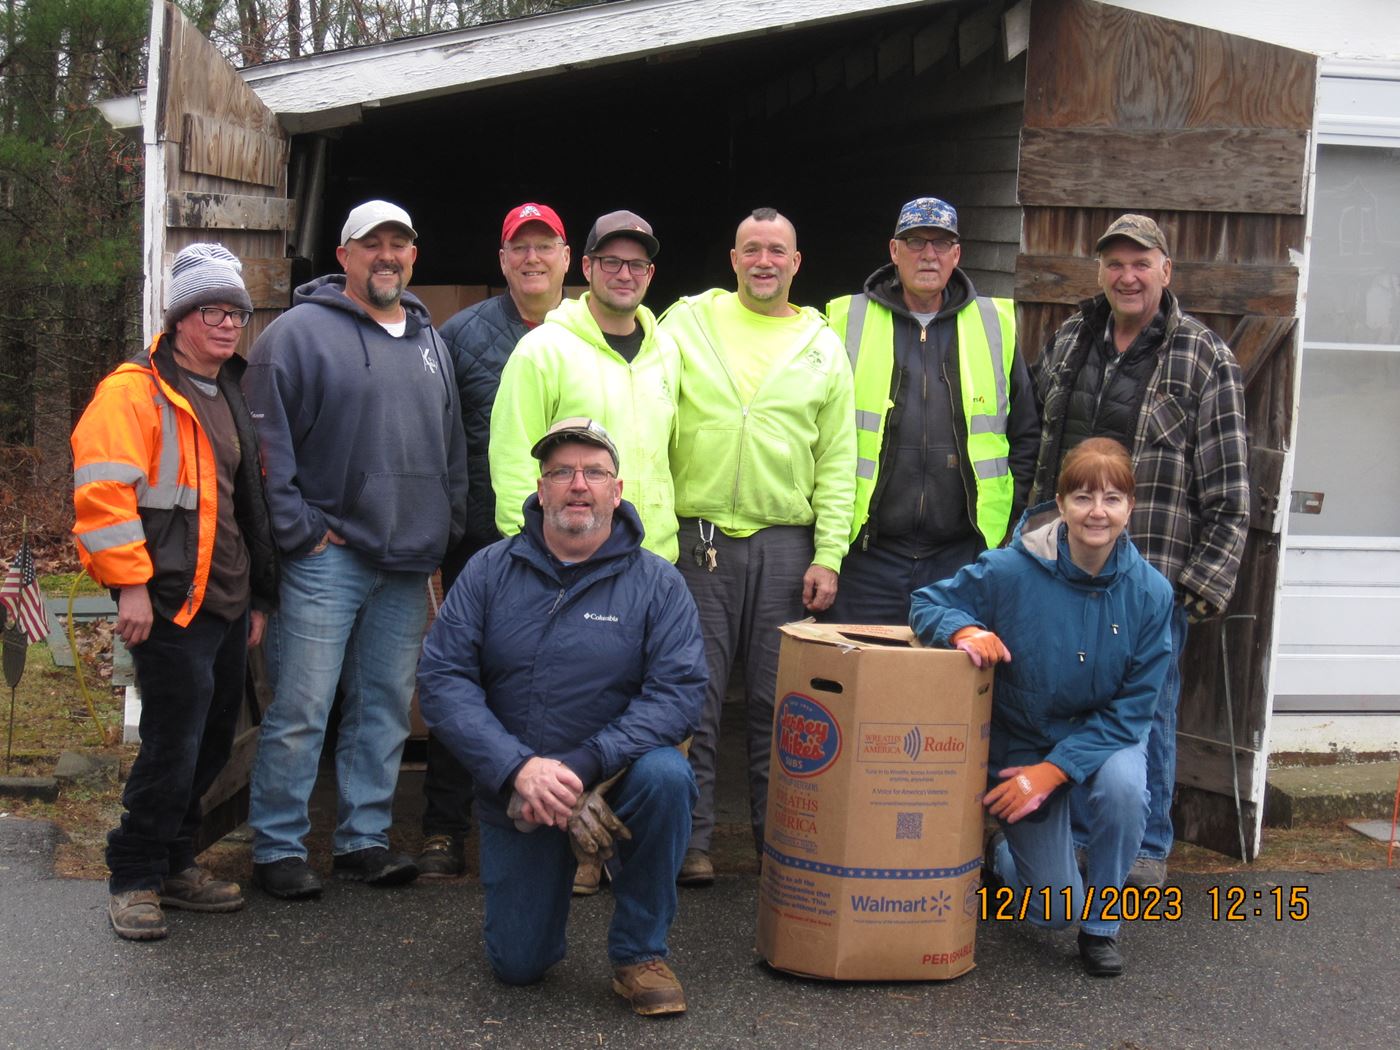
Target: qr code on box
{"type": "Point", "coordinates": [909, 826]}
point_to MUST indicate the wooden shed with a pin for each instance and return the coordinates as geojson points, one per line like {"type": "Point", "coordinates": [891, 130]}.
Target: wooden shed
{"type": "Point", "coordinates": [1040, 121]}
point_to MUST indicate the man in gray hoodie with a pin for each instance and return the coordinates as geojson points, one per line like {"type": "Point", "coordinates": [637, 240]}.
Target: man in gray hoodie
{"type": "Point", "coordinates": [355, 404]}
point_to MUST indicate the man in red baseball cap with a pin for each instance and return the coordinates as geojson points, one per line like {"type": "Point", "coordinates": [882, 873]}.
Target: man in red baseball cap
{"type": "Point", "coordinates": [534, 259]}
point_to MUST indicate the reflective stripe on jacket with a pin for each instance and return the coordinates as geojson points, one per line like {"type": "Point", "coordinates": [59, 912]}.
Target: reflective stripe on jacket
{"type": "Point", "coordinates": [987, 347]}
{"type": "Point", "coordinates": [145, 488]}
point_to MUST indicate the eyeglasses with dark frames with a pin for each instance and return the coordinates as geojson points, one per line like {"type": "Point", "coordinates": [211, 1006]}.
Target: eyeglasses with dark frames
{"type": "Point", "coordinates": [612, 264]}
{"type": "Point", "coordinates": [941, 245]}
{"type": "Point", "coordinates": [214, 316]}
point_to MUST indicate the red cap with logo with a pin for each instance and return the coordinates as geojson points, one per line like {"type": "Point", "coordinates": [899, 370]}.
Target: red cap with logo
{"type": "Point", "coordinates": [519, 216]}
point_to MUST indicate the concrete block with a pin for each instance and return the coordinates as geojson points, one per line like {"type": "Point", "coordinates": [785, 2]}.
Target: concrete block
{"type": "Point", "coordinates": [38, 789]}
{"type": "Point", "coordinates": [76, 767]}
{"type": "Point", "coordinates": [1326, 794]}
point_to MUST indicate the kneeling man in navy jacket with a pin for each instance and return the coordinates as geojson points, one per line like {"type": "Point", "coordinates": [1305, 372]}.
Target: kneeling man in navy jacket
{"type": "Point", "coordinates": [564, 668]}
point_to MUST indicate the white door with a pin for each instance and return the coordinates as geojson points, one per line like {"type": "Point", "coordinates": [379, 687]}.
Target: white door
{"type": "Point", "coordinates": [1337, 679]}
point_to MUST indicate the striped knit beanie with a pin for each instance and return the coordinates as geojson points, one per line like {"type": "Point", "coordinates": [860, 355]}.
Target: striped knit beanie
{"type": "Point", "coordinates": [203, 274]}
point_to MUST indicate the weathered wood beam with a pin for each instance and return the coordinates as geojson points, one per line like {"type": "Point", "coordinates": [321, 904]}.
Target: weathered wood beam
{"type": "Point", "coordinates": [1194, 169]}
{"type": "Point", "coordinates": [1212, 288]}
{"type": "Point", "coordinates": [1255, 341]}
{"type": "Point", "coordinates": [197, 210]}
{"type": "Point", "coordinates": [1210, 769]}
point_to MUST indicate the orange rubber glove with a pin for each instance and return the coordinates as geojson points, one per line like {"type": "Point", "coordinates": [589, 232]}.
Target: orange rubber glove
{"type": "Point", "coordinates": [983, 646]}
{"type": "Point", "coordinates": [1023, 791]}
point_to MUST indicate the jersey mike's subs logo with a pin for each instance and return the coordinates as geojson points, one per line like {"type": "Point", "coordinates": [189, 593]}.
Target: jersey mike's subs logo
{"type": "Point", "coordinates": [809, 739]}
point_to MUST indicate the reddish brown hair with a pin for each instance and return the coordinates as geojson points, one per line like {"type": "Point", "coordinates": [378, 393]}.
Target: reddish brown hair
{"type": "Point", "coordinates": [1097, 463]}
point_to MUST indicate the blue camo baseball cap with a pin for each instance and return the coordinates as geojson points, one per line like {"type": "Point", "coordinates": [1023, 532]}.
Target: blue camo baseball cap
{"type": "Point", "coordinates": [927, 212]}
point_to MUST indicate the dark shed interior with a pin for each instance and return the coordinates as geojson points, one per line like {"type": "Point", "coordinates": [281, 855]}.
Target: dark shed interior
{"type": "Point", "coordinates": [836, 125]}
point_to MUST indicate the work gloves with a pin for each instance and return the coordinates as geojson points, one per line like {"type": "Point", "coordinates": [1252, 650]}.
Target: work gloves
{"type": "Point", "coordinates": [1024, 790]}
{"type": "Point", "coordinates": [1197, 609]}
{"type": "Point", "coordinates": [982, 645]}
{"type": "Point", "coordinates": [594, 828]}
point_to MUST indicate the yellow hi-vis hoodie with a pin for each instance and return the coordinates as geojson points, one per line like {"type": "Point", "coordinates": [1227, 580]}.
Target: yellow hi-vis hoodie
{"type": "Point", "coordinates": [565, 368]}
{"type": "Point", "coordinates": [788, 455]}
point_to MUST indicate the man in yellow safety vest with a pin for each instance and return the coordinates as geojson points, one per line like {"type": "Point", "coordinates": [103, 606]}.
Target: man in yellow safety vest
{"type": "Point", "coordinates": [946, 421]}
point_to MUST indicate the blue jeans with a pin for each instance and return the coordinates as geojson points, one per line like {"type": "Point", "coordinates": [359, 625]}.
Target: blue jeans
{"type": "Point", "coordinates": [1161, 751]}
{"type": "Point", "coordinates": [341, 621]}
{"type": "Point", "coordinates": [191, 681]}
{"type": "Point", "coordinates": [1039, 850]}
{"type": "Point", "coordinates": [529, 877]}
{"type": "Point", "coordinates": [876, 584]}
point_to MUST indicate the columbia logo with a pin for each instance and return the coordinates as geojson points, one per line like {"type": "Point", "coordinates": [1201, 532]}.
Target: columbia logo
{"type": "Point", "coordinates": [600, 617]}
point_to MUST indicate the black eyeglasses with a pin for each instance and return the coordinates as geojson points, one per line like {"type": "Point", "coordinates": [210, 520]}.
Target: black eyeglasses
{"type": "Point", "coordinates": [941, 245]}
{"type": "Point", "coordinates": [565, 475]}
{"type": "Point", "coordinates": [612, 264]}
{"type": "Point", "coordinates": [214, 316]}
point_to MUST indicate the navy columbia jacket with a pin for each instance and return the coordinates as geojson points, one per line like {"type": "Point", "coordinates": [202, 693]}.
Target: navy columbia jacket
{"type": "Point", "coordinates": [594, 665]}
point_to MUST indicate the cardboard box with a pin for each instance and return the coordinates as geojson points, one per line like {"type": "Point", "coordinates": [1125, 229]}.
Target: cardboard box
{"type": "Point", "coordinates": [873, 849]}
{"type": "Point", "coordinates": [444, 300]}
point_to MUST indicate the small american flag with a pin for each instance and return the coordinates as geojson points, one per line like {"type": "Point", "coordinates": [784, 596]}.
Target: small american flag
{"type": "Point", "coordinates": [21, 595]}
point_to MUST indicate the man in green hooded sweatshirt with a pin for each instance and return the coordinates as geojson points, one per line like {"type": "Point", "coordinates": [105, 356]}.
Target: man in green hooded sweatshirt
{"type": "Point", "coordinates": [765, 466]}
{"type": "Point", "coordinates": [599, 356]}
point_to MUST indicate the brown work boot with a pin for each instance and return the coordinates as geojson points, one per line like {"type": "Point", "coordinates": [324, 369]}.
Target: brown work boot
{"type": "Point", "coordinates": [136, 915]}
{"type": "Point", "coordinates": [650, 987]}
{"type": "Point", "coordinates": [194, 889]}
{"type": "Point", "coordinates": [696, 869]}
{"type": "Point", "coordinates": [588, 877]}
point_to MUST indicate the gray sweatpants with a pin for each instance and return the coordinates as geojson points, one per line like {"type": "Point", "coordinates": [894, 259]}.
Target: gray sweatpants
{"type": "Point", "coordinates": [755, 588]}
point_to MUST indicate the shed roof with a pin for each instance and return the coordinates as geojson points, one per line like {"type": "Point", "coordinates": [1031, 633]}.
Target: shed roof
{"type": "Point", "coordinates": [331, 88]}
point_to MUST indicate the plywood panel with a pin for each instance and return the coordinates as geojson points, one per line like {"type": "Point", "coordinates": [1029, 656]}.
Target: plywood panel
{"type": "Point", "coordinates": [227, 211]}
{"type": "Point", "coordinates": [198, 81]}
{"type": "Point", "coordinates": [204, 83]}
{"type": "Point", "coordinates": [219, 147]}
{"type": "Point", "coordinates": [1096, 65]}
{"type": "Point", "coordinates": [1206, 169]}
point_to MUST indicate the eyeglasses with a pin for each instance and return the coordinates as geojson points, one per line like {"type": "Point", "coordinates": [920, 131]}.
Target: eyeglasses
{"type": "Point", "coordinates": [565, 475]}
{"type": "Point", "coordinates": [214, 316]}
{"type": "Point", "coordinates": [544, 249]}
{"type": "Point", "coordinates": [941, 245]}
{"type": "Point", "coordinates": [612, 264]}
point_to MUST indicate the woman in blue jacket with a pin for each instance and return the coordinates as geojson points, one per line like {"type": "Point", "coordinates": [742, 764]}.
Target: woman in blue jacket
{"type": "Point", "coordinates": [1087, 622]}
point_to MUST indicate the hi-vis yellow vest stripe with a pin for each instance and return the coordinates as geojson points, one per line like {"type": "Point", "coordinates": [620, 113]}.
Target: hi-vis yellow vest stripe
{"type": "Point", "coordinates": [986, 345]}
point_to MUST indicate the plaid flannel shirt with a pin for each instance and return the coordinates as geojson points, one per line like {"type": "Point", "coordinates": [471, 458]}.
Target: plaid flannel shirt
{"type": "Point", "coordinates": [1190, 448]}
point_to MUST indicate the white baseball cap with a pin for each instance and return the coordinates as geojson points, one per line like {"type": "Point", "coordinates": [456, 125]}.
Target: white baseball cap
{"type": "Point", "coordinates": [367, 216]}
